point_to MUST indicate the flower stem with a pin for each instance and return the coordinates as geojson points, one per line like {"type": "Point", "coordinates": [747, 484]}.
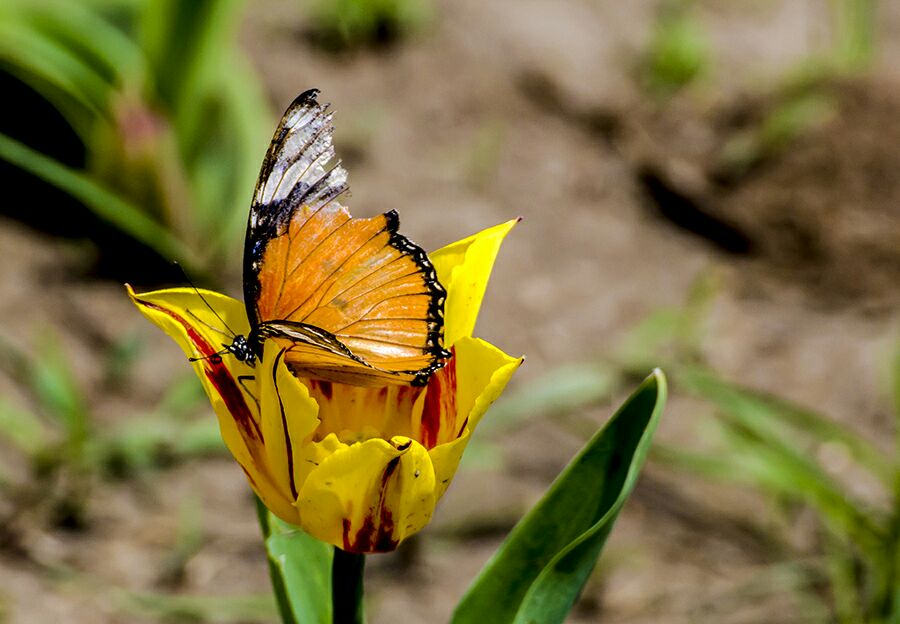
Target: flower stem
{"type": "Point", "coordinates": [278, 588]}
{"type": "Point", "coordinates": [347, 587]}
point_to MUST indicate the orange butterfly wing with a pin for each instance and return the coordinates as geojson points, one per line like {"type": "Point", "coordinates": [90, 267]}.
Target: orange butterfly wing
{"type": "Point", "coordinates": [350, 299]}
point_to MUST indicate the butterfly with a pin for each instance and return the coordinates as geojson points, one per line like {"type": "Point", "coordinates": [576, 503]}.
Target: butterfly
{"type": "Point", "coordinates": [349, 300]}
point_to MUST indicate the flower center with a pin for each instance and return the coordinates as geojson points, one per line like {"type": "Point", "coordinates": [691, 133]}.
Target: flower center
{"type": "Point", "coordinates": [356, 413]}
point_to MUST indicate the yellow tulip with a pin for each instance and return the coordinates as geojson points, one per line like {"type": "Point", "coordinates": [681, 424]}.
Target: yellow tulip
{"type": "Point", "coordinates": [361, 468]}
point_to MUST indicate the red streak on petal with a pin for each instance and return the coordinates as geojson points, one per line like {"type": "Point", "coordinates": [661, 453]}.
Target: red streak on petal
{"type": "Point", "coordinates": [225, 385]}
{"type": "Point", "coordinates": [324, 387]}
{"type": "Point", "coordinates": [348, 545]}
{"type": "Point", "coordinates": [440, 403]}
{"type": "Point", "coordinates": [218, 375]}
{"type": "Point", "coordinates": [375, 535]}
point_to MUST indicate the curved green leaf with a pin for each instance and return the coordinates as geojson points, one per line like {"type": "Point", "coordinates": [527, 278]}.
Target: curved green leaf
{"type": "Point", "coordinates": [539, 570]}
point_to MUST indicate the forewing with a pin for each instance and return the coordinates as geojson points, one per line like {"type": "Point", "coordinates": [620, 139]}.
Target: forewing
{"type": "Point", "coordinates": [308, 261]}
{"type": "Point", "coordinates": [296, 188]}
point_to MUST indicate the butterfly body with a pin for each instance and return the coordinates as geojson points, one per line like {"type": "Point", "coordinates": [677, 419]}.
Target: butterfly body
{"type": "Point", "coordinates": [349, 299]}
{"type": "Point", "coordinates": [241, 348]}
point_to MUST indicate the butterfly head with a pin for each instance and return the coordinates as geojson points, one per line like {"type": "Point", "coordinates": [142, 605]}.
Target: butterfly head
{"type": "Point", "coordinates": [241, 349]}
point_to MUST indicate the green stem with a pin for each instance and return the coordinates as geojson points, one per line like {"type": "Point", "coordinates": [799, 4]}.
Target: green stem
{"type": "Point", "coordinates": [281, 597]}
{"type": "Point", "coordinates": [347, 588]}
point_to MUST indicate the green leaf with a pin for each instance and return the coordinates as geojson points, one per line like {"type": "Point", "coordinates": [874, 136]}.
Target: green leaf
{"type": "Point", "coordinates": [300, 566]}
{"type": "Point", "coordinates": [539, 570]}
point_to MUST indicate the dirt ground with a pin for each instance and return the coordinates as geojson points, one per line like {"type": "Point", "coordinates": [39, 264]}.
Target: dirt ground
{"type": "Point", "coordinates": [481, 118]}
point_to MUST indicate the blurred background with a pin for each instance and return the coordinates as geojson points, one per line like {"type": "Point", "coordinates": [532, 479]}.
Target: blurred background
{"type": "Point", "coordinates": [707, 186]}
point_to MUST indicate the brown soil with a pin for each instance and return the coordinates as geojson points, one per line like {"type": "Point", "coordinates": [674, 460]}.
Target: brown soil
{"type": "Point", "coordinates": [450, 130]}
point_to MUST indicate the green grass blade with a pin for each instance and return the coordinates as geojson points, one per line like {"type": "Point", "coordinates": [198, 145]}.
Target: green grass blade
{"type": "Point", "coordinates": [183, 40]}
{"type": "Point", "coordinates": [763, 410]}
{"type": "Point", "coordinates": [217, 108]}
{"type": "Point", "coordinates": [105, 204]}
{"type": "Point", "coordinates": [247, 119]}
{"type": "Point", "coordinates": [855, 26]}
{"type": "Point", "coordinates": [842, 573]}
{"type": "Point", "coordinates": [780, 468]}
{"type": "Point", "coordinates": [28, 52]}
{"type": "Point", "coordinates": [53, 383]}
{"type": "Point", "coordinates": [91, 37]}
{"type": "Point", "coordinates": [540, 568]}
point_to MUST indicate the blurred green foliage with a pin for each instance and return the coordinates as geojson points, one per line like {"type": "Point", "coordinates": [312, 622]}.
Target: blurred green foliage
{"type": "Point", "coordinates": [678, 52]}
{"type": "Point", "coordinates": [338, 25]}
{"type": "Point", "coordinates": [172, 119]}
{"type": "Point", "coordinates": [854, 23]}
{"type": "Point", "coordinates": [792, 114]}
{"type": "Point", "coordinates": [67, 449]}
{"type": "Point", "coordinates": [188, 609]}
{"type": "Point", "coordinates": [791, 453]}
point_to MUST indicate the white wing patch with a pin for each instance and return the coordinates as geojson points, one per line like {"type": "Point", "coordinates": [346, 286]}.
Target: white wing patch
{"type": "Point", "coordinates": [297, 165]}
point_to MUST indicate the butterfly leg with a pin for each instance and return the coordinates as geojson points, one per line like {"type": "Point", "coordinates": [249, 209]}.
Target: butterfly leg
{"type": "Point", "coordinates": [243, 378]}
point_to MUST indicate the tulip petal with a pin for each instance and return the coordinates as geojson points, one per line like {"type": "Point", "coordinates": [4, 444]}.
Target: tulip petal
{"type": "Point", "coordinates": [184, 315]}
{"type": "Point", "coordinates": [463, 268]}
{"type": "Point", "coordinates": [289, 418]}
{"type": "Point", "coordinates": [445, 459]}
{"type": "Point", "coordinates": [369, 496]}
{"type": "Point", "coordinates": [482, 372]}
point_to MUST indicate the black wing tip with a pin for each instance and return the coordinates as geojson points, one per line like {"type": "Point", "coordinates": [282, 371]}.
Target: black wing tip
{"type": "Point", "coordinates": [307, 98]}
{"type": "Point", "coordinates": [392, 217]}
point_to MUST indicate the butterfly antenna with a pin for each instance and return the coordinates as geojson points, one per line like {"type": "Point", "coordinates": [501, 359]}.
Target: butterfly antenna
{"type": "Point", "coordinates": [203, 299]}
{"type": "Point", "coordinates": [218, 330]}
